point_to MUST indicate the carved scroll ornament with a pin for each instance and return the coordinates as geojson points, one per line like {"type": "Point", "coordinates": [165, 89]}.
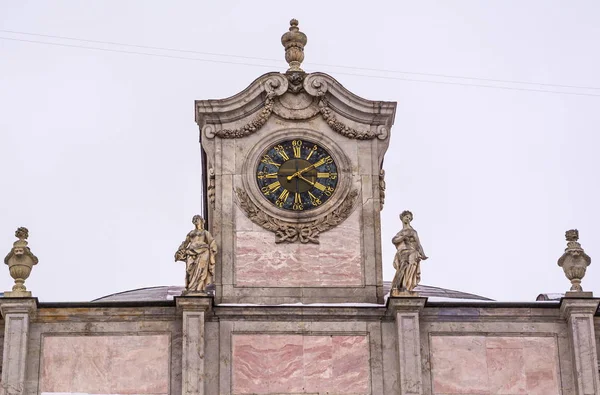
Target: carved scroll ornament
{"type": "Point", "coordinates": [288, 232]}
{"type": "Point", "coordinates": [252, 126]}
{"type": "Point", "coordinates": [274, 86]}
{"type": "Point", "coordinates": [318, 87]}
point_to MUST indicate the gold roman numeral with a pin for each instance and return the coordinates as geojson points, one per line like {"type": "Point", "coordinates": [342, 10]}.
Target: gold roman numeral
{"type": "Point", "coordinates": [297, 146]}
{"type": "Point", "coordinates": [281, 151]}
{"type": "Point", "coordinates": [282, 198]}
{"type": "Point", "coordinates": [263, 174]}
{"type": "Point", "coordinates": [322, 161]}
{"type": "Point", "coordinates": [331, 176]}
{"type": "Point", "coordinates": [297, 202]}
{"type": "Point", "coordinates": [269, 161]}
{"type": "Point", "coordinates": [314, 200]}
{"type": "Point", "coordinates": [312, 151]}
{"type": "Point", "coordinates": [271, 188]}
{"type": "Point", "coordinates": [320, 186]}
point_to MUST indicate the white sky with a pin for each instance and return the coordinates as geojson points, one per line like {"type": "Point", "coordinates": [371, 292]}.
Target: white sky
{"type": "Point", "coordinates": [99, 153]}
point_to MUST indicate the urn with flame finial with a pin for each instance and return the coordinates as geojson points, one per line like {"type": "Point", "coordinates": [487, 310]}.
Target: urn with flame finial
{"type": "Point", "coordinates": [574, 261]}
{"type": "Point", "coordinates": [20, 261]}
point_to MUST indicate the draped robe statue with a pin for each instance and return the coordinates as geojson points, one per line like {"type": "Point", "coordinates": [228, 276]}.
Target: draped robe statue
{"type": "Point", "coordinates": [198, 251]}
{"type": "Point", "coordinates": [409, 254]}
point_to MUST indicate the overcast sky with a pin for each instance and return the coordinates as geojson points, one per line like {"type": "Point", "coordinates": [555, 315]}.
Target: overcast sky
{"type": "Point", "coordinates": [99, 153]}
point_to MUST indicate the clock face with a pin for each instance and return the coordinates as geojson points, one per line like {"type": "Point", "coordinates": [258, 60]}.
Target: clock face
{"type": "Point", "coordinates": [297, 175]}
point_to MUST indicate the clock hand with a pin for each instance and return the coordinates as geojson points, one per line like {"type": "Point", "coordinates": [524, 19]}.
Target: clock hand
{"type": "Point", "coordinates": [299, 172]}
{"type": "Point", "coordinates": [300, 176]}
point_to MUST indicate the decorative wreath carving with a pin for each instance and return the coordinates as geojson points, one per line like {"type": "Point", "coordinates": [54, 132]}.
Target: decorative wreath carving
{"type": "Point", "coordinates": [251, 127]}
{"type": "Point", "coordinates": [288, 232]}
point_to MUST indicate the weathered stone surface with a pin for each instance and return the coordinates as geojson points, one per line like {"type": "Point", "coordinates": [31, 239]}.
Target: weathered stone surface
{"type": "Point", "coordinates": [579, 314]}
{"type": "Point", "coordinates": [336, 261]}
{"type": "Point", "coordinates": [17, 314]}
{"type": "Point", "coordinates": [119, 364]}
{"type": "Point", "coordinates": [495, 365]}
{"type": "Point", "coordinates": [356, 133]}
{"type": "Point", "coordinates": [267, 364]}
{"type": "Point", "coordinates": [193, 361]}
{"type": "Point", "coordinates": [406, 312]}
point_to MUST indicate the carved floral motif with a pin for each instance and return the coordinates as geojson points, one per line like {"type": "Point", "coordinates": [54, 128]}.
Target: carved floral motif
{"type": "Point", "coordinates": [288, 232]}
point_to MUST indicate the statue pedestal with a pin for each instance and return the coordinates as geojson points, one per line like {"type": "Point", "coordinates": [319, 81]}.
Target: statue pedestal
{"type": "Point", "coordinates": [579, 294]}
{"type": "Point", "coordinates": [17, 294]}
{"type": "Point", "coordinates": [406, 311]}
{"type": "Point", "coordinates": [193, 307]}
{"type": "Point", "coordinates": [17, 315]}
{"type": "Point", "coordinates": [403, 294]}
{"type": "Point", "coordinates": [579, 313]}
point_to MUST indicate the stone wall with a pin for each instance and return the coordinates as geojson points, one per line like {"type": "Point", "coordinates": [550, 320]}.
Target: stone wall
{"type": "Point", "coordinates": [456, 349]}
{"type": "Point", "coordinates": [98, 364]}
{"type": "Point", "coordinates": [334, 262]}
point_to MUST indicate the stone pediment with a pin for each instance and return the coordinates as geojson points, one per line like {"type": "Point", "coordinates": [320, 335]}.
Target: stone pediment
{"type": "Point", "coordinates": [295, 96]}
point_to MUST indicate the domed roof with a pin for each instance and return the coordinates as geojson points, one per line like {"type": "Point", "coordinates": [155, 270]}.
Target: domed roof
{"type": "Point", "coordinates": [169, 292]}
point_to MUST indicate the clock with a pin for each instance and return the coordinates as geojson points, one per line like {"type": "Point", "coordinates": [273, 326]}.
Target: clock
{"type": "Point", "coordinates": [297, 175]}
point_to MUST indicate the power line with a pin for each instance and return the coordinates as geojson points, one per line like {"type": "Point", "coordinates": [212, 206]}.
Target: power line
{"type": "Point", "coordinates": [271, 67]}
{"type": "Point", "coordinates": [316, 64]}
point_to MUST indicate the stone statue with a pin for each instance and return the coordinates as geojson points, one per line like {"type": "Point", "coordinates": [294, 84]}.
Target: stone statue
{"type": "Point", "coordinates": [198, 251]}
{"type": "Point", "coordinates": [408, 257]}
{"type": "Point", "coordinates": [20, 261]}
{"type": "Point", "coordinates": [574, 261]}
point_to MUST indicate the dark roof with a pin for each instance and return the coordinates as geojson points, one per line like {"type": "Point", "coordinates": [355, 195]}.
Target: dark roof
{"type": "Point", "coordinates": [170, 291]}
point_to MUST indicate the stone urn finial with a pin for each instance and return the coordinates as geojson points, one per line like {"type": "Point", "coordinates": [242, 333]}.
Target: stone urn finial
{"type": "Point", "coordinates": [294, 42]}
{"type": "Point", "coordinates": [574, 261]}
{"type": "Point", "coordinates": [20, 260]}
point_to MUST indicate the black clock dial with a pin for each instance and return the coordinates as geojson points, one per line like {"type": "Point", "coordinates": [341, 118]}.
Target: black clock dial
{"type": "Point", "coordinates": [297, 175]}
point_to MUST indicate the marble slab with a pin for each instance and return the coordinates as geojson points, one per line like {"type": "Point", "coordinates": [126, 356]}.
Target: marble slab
{"type": "Point", "coordinates": [494, 365]}
{"type": "Point", "coordinates": [105, 364]}
{"type": "Point", "coordinates": [336, 261]}
{"type": "Point", "coordinates": [297, 364]}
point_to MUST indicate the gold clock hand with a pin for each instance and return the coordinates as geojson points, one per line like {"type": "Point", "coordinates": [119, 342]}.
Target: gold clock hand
{"type": "Point", "coordinates": [296, 174]}
{"type": "Point", "coordinates": [300, 176]}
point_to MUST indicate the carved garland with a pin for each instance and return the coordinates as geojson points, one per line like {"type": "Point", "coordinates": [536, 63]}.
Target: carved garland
{"type": "Point", "coordinates": [339, 127]}
{"type": "Point", "coordinates": [253, 125]}
{"type": "Point", "coordinates": [287, 232]}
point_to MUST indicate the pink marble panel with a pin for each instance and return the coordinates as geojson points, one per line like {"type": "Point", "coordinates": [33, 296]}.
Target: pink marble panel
{"type": "Point", "coordinates": [541, 365]}
{"type": "Point", "coordinates": [318, 358]}
{"type": "Point", "coordinates": [459, 365]}
{"type": "Point", "coordinates": [105, 364]}
{"type": "Point", "coordinates": [336, 261]}
{"type": "Point", "coordinates": [267, 364]}
{"type": "Point", "coordinates": [505, 371]}
{"type": "Point", "coordinates": [350, 365]}
{"type": "Point", "coordinates": [513, 365]}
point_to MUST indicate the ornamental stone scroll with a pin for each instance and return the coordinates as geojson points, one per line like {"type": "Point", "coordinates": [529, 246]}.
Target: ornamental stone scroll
{"type": "Point", "coordinates": [275, 85]}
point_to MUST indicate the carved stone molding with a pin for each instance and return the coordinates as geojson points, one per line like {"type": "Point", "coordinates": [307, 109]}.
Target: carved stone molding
{"type": "Point", "coordinates": [211, 187]}
{"type": "Point", "coordinates": [289, 232]}
{"type": "Point", "coordinates": [318, 87]}
{"type": "Point", "coordinates": [274, 86]}
{"type": "Point", "coordinates": [249, 128]}
{"type": "Point", "coordinates": [339, 127]}
{"type": "Point", "coordinates": [381, 188]}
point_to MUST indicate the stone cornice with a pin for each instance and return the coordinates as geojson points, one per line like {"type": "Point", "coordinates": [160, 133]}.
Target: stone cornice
{"type": "Point", "coordinates": [255, 105]}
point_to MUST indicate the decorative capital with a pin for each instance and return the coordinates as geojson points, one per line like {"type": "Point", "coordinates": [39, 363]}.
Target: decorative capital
{"type": "Point", "coordinates": [294, 41]}
{"type": "Point", "coordinates": [574, 261]}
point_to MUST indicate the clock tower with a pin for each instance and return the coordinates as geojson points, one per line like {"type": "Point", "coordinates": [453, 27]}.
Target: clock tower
{"type": "Point", "coordinates": [293, 182]}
